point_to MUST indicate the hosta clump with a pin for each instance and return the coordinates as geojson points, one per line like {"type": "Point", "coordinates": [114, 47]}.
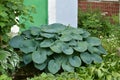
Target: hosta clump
{"type": "Point", "coordinates": [56, 46]}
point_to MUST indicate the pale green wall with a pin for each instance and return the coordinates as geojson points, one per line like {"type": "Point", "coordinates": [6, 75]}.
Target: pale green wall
{"type": "Point", "coordinates": [41, 17]}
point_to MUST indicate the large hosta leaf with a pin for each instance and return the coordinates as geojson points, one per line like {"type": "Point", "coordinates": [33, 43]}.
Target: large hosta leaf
{"type": "Point", "coordinates": [47, 35]}
{"type": "Point", "coordinates": [46, 43]}
{"type": "Point", "coordinates": [93, 49]}
{"type": "Point", "coordinates": [46, 51]}
{"type": "Point", "coordinates": [103, 51]}
{"type": "Point", "coordinates": [53, 67]}
{"type": "Point", "coordinates": [41, 66]}
{"type": "Point", "coordinates": [85, 34]}
{"type": "Point", "coordinates": [35, 31]}
{"type": "Point", "coordinates": [67, 67]}
{"type": "Point", "coordinates": [96, 58]}
{"type": "Point", "coordinates": [57, 46]}
{"type": "Point", "coordinates": [28, 46]}
{"type": "Point", "coordinates": [54, 28]}
{"type": "Point", "coordinates": [93, 41]}
{"type": "Point", "coordinates": [75, 61]}
{"type": "Point", "coordinates": [81, 47]}
{"type": "Point", "coordinates": [76, 36]}
{"type": "Point", "coordinates": [72, 43]}
{"type": "Point", "coordinates": [27, 58]}
{"type": "Point", "coordinates": [16, 42]}
{"type": "Point", "coordinates": [65, 38]}
{"type": "Point", "coordinates": [39, 57]}
{"type": "Point", "coordinates": [86, 57]}
{"type": "Point", "coordinates": [67, 50]}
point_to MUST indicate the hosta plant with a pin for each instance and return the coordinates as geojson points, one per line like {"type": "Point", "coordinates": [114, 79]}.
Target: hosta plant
{"type": "Point", "coordinates": [56, 46]}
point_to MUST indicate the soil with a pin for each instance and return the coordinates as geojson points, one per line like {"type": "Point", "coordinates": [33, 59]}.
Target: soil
{"type": "Point", "coordinates": [26, 72]}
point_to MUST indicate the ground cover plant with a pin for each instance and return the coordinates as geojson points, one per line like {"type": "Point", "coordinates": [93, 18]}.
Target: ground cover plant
{"type": "Point", "coordinates": [58, 47]}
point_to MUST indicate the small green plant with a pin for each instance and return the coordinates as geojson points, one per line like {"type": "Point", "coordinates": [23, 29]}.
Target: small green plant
{"type": "Point", "coordinates": [9, 60]}
{"type": "Point", "coordinates": [5, 77]}
{"type": "Point", "coordinates": [56, 46]}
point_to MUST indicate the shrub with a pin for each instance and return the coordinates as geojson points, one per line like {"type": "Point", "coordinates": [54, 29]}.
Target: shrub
{"type": "Point", "coordinates": [9, 10]}
{"type": "Point", "coordinates": [93, 21]}
{"type": "Point", "coordinates": [56, 46]}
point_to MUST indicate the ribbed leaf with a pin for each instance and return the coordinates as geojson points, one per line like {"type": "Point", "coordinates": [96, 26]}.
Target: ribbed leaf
{"type": "Point", "coordinates": [103, 51]}
{"type": "Point", "coordinates": [67, 67]}
{"type": "Point", "coordinates": [96, 58]}
{"type": "Point", "coordinates": [16, 42]}
{"type": "Point", "coordinates": [82, 46]}
{"type": "Point", "coordinates": [93, 41]}
{"type": "Point", "coordinates": [76, 36]}
{"type": "Point", "coordinates": [41, 66]}
{"type": "Point", "coordinates": [53, 67]}
{"type": "Point", "coordinates": [93, 49]}
{"type": "Point", "coordinates": [47, 35]}
{"type": "Point", "coordinates": [54, 28]}
{"type": "Point", "coordinates": [38, 57]}
{"type": "Point", "coordinates": [35, 31]}
{"type": "Point", "coordinates": [28, 46]}
{"type": "Point", "coordinates": [67, 50]}
{"type": "Point", "coordinates": [75, 61]}
{"type": "Point", "coordinates": [27, 58]}
{"type": "Point", "coordinates": [72, 43]}
{"type": "Point", "coordinates": [57, 46]}
{"type": "Point", "coordinates": [65, 38]}
{"type": "Point", "coordinates": [46, 51]}
{"type": "Point", "coordinates": [86, 57]}
{"type": "Point", "coordinates": [46, 43]}
{"type": "Point", "coordinates": [85, 34]}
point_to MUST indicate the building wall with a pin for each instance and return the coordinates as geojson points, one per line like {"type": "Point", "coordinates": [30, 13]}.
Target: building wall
{"type": "Point", "coordinates": [111, 8]}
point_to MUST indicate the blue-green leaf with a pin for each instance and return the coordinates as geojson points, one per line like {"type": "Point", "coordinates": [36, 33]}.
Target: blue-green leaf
{"type": "Point", "coordinates": [67, 67]}
{"type": "Point", "coordinates": [81, 47]}
{"type": "Point", "coordinates": [39, 57]}
{"type": "Point", "coordinates": [47, 35]}
{"type": "Point", "coordinates": [67, 50]}
{"type": "Point", "coordinates": [46, 43]}
{"type": "Point", "coordinates": [94, 41]}
{"type": "Point", "coordinates": [53, 67]}
{"type": "Point", "coordinates": [86, 57]}
{"type": "Point", "coordinates": [16, 42]}
{"type": "Point", "coordinates": [75, 61]}
{"type": "Point", "coordinates": [28, 46]}
{"type": "Point", "coordinates": [96, 58]}
{"type": "Point", "coordinates": [27, 58]}
{"type": "Point", "coordinates": [41, 66]}
{"type": "Point", "coordinates": [57, 46]}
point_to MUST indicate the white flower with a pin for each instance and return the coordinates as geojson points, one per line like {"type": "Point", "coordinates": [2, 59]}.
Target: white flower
{"type": "Point", "coordinates": [15, 29]}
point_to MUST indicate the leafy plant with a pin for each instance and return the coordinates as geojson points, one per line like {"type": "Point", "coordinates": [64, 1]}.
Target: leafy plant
{"type": "Point", "coordinates": [9, 60]}
{"type": "Point", "coordinates": [56, 46]}
{"type": "Point", "coordinates": [93, 21]}
{"type": "Point", "coordinates": [5, 77]}
{"type": "Point", "coordinates": [9, 10]}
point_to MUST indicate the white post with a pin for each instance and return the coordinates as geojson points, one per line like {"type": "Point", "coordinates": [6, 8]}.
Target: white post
{"type": "Point", "coordinates": [63, 11]}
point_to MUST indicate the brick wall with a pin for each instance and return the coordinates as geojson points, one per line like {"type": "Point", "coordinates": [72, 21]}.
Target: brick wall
{"type": "Point", "coordinates": [110, 8]}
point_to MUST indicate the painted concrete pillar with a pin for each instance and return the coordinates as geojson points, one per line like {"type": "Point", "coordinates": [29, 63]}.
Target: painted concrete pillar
{"type": "Point", "coordinates": [63, 11]}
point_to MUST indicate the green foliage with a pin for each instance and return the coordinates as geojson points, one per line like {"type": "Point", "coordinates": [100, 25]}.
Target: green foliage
{"type": "Point", "coordinates": [93, 21]}
{"type": "Point", "coordinates": [107, 70]}
{"type": "Point", "coordinates": [56, 46]}
{"type": "Point", "coordinates": [8, 61]}
{"type": "Point", "coordinates": [5, 77]}
{"type": "Point", "coordinates": [9, 10]}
